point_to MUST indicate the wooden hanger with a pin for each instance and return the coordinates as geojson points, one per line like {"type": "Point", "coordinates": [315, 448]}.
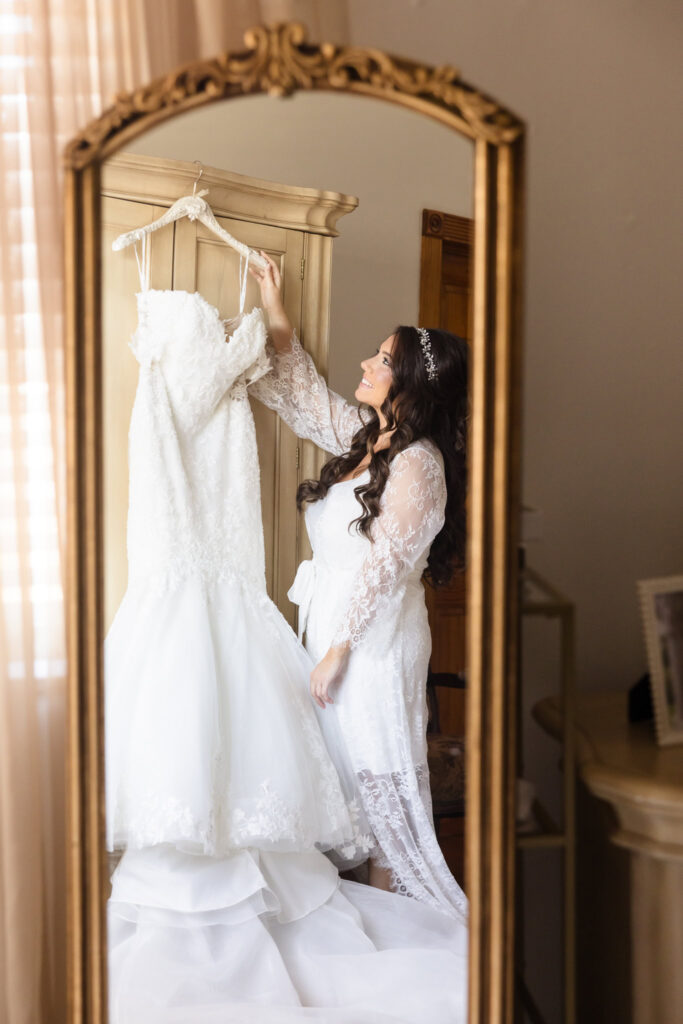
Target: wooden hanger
{"type": "Point", "coordinates": [193, 207]}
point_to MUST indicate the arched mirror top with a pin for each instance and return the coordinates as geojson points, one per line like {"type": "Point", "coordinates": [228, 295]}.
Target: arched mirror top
{"type": "Point", "coordinates": [279, 60]}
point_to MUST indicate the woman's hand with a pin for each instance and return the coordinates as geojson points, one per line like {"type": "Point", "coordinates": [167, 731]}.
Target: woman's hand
{"type": "Point", "coordinates": [270, 284]}
{"type": "Point", "coordinates": [326, 673]}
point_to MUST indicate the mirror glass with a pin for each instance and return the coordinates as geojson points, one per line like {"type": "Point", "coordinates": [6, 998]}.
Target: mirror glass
{"type": "Point", "coordinates": [237, 799]}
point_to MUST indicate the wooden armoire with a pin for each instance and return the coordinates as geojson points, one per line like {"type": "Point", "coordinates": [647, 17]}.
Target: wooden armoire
{"type": "Point", "coordinates": [296, 226]}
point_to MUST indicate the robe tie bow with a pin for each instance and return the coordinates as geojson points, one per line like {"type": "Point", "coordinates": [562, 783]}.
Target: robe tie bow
{"type": "Point", "coordinates": [301, 592]}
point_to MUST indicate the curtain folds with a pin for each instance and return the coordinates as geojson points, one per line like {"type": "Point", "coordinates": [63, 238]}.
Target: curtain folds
{"type": "Point", "coordinates": [61, 62]}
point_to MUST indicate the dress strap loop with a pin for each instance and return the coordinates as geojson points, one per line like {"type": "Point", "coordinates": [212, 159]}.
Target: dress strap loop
{"type": "Point", "coordinates": [244, 273]}
{"type": "Point", "coordinates": [142, 264]}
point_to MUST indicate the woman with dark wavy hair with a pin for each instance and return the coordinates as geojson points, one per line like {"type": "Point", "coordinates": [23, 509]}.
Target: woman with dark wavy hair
{"type": "Point", "coordinates": [387, 510]}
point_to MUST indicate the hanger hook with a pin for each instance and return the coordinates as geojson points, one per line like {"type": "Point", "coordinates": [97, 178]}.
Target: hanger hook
{"type": "Point", "coordinates": [201, 171]}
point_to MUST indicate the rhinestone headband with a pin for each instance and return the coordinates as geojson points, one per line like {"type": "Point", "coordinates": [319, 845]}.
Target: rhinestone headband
{"type": "Point", "coordinates": [426, 344]}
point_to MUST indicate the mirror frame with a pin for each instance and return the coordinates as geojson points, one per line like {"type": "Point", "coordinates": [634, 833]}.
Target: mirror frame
{"type": "Point", "coordinates": [279, 60]}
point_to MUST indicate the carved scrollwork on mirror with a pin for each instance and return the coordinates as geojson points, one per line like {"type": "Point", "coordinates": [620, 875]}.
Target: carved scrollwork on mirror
{"type": "Point", "coordinates": [279, 61]}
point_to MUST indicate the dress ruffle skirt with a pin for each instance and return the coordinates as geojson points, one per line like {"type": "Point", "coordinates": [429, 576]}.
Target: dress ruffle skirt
{"type": "Point", "coordinates": [221, 791]}
{"type": "Point", "coordinates": [212, 740]}
{"type": "Point", "coordinates": [274, 937]}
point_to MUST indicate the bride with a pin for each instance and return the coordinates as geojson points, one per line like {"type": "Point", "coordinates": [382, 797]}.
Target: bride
{"type": "Point", "coordinates": [221, 794]}
{"type": "Point", "coordinates": [388, 508]}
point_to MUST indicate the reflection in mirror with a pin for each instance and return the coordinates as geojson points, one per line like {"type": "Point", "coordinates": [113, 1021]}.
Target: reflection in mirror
{"type": "Point", "coordinates": [267, 671]}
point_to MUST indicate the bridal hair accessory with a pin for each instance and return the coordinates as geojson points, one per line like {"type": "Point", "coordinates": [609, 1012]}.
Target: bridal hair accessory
{"type": "Point", "coordinates": [426, 344]}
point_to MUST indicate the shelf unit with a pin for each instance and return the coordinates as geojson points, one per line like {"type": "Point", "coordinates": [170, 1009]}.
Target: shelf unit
{"type": "Point", "coordinates": [540, 598]}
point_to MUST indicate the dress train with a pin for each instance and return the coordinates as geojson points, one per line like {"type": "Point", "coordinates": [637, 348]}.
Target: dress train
{"type": "Point", "coordinates": [278, 938]}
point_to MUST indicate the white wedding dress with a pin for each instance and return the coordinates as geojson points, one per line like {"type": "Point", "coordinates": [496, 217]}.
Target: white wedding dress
{"type": "Point", "coordinates": [178, 769]}
{"type": "Point", "coordinates": [369, 595]}
{"type": "Point", "coordinates": [220, 788]}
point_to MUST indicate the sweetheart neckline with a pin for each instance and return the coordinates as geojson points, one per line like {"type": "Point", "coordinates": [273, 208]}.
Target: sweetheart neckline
{"type": "Point", "coordinates": [209, 305]}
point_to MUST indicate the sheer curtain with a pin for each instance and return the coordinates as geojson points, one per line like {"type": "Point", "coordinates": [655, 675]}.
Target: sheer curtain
{"type": "Point", "coordinates": [61, 61]}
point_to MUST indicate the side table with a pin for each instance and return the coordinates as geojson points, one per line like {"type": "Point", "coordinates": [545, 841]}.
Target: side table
{"type": "Point", "coordinates": [630, 863]}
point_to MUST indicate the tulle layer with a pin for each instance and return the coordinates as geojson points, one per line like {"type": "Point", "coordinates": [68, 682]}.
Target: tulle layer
{"type": "Point", "coordinates": [212, 740]}
{"type": "Point", "coordinates": [267, 937]}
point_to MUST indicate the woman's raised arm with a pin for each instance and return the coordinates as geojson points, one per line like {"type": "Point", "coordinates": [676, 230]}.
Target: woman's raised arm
{"type": "Point", "coordinates": [294, 388]}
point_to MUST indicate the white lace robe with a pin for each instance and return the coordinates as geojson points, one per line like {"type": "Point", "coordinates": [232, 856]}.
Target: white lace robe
{"type": "Point", "coordinates": [368, 593]}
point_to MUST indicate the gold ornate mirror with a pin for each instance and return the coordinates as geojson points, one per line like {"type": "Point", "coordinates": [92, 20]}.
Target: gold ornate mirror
{"type": "Point", "coordinates": [283, 76]}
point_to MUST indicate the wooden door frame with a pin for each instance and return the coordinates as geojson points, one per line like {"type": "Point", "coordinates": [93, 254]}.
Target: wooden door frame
{"type": "Point", "coordinates": [437, 228]}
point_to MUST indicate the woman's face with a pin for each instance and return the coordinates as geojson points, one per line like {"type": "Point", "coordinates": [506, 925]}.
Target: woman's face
{"type": "Point", "coordinates": [377, 376]}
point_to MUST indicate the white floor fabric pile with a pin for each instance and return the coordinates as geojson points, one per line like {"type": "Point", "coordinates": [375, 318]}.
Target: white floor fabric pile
{"type": "Point", "coordinates": [274, 937]}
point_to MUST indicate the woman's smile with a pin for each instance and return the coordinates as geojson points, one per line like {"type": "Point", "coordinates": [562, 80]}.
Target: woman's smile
{"type": "Point", "coordinates": [377, 375]}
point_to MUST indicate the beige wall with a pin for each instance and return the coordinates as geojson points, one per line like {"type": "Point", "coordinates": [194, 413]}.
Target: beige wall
{"type": "Point", "coordinates": [394, 161]}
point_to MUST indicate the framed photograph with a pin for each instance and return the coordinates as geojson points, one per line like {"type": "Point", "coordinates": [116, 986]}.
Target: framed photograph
{"type": "Point", "coordinates": [662, 606]}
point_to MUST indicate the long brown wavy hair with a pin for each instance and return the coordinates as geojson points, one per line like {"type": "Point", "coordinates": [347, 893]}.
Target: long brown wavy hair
{"type": "Point", "coordinates": [414, 408]}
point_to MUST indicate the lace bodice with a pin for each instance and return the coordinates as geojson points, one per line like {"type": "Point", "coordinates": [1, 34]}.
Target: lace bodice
{"type": "Point", "coordinates": [194, 476]}
{"type": "Point", "coordinates": [413, 503]}
{"type": "Point", "coordinates": [183, 334]}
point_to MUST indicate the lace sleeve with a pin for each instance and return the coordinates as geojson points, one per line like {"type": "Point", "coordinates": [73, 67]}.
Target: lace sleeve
{"type": "Point", "coordinates": [412, 514]}
{"type": "Point", "coordinates": [300, 395]}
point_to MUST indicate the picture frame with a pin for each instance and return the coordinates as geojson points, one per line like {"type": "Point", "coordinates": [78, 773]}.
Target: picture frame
{"type": "Point", "coordinates": [661, 603]}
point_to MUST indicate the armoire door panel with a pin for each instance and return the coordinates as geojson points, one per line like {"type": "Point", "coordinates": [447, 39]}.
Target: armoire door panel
{"type": "Point", "coordinates": [203, 263]}
{"type": "Point", "coordinates": [120, 370]}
